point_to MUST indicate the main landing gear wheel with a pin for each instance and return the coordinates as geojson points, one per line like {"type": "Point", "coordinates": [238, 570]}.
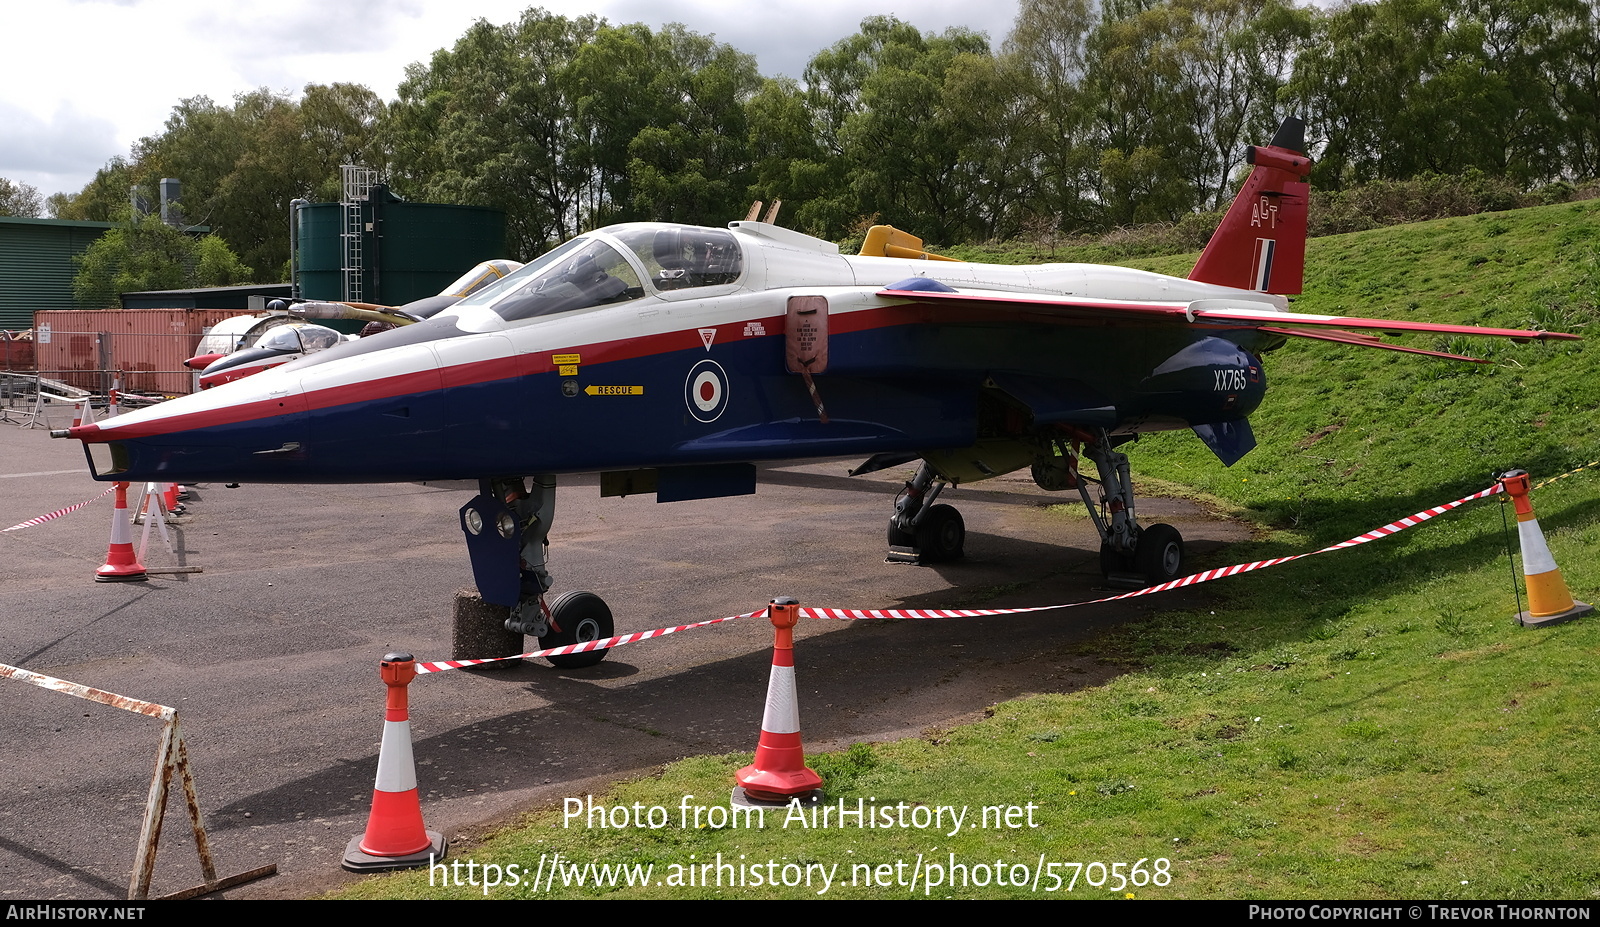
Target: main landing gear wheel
{"type": "Point", "coordinates": [942, 534]}
{"type": "Point", "coordinates": [1112, 561]}
{"type": "Point", "coordinates": [1159, 555]}
{"type": "Point", "coordinates": [581, 616]}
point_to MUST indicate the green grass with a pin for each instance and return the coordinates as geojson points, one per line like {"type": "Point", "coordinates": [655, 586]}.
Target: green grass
{"type": "Point", "coordinates": [1362, 724]}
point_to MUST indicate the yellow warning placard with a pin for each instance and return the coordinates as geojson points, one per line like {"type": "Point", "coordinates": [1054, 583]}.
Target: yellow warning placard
{"type": "Point", "coordinates": [560, 359]}
{"type": "Point", "coordinates": [614, 390]}
{"type": "Point", "coordinates": [568, 370]}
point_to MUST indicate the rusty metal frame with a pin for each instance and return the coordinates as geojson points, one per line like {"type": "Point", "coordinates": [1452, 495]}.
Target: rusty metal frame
{"type": "Point", "coordinates": [171, 756]}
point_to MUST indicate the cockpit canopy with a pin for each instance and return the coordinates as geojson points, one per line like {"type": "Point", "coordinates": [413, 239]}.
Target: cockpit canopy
{"type": "Point", "coordinates": [614, 265]}
{"type": "Point", "coordinates": [299, 338]}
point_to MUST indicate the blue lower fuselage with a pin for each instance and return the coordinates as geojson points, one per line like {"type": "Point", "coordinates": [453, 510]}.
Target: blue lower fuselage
{"type": "Point", "coordinates": [897, 381]}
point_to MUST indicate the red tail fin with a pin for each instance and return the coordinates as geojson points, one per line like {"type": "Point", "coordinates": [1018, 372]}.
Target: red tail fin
{"type": "Point", "coordinates": [1261, 243]}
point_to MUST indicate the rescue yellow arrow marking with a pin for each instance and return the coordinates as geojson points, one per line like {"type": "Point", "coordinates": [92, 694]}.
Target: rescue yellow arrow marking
{"type": "Point", "coordinates": [614, 390]}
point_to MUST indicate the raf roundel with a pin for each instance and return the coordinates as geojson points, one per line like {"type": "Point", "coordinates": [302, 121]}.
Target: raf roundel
{"type": "Point", "coordinates": [705, 391]}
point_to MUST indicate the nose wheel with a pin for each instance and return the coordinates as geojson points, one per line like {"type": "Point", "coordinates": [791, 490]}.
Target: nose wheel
{"type": "Point", "coordinates": [576, 618]}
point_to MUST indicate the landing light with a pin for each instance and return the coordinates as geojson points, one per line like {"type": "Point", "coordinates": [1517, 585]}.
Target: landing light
{"type": "Point", "coordinates": [473, 521]}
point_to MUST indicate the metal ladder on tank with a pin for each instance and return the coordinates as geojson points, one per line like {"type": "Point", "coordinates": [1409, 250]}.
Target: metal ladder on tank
{"type": "Point", "coordinates": [358, 183]}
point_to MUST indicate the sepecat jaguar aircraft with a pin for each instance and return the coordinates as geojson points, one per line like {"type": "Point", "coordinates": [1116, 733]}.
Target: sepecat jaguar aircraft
{"type": "Point", "coordinates": [670, 358]}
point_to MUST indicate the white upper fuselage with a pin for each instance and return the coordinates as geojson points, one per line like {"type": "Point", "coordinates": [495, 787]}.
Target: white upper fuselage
{"type": "Point", "coordinates": [777, 263]}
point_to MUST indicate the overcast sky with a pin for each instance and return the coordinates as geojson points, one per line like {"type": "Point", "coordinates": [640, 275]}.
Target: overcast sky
{"type": "Point", "coordinates": [81, 80]}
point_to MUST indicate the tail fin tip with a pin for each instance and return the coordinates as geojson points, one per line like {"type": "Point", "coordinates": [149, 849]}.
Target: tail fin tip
{"type": "Point", "coordinates": [1261, 242]}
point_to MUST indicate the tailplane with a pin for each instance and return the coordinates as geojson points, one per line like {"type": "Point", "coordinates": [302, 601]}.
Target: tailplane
{"type": "Point", "coordinates": [1261, 243]}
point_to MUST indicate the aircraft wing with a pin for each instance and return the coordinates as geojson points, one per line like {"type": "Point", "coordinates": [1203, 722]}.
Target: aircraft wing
{"type": "Point", "coordinates": [1221, 313]}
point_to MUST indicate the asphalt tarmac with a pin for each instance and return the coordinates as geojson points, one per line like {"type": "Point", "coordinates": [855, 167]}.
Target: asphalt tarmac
{"type": "Point", "coordinates": [270, 653]}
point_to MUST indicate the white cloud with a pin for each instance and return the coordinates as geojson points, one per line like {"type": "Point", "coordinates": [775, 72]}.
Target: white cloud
{"type": "Point", "coordinates": [51, 152]}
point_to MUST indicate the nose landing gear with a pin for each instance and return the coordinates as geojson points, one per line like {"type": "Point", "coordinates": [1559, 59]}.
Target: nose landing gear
{"type": "Point", "coordinates": [507, 527]}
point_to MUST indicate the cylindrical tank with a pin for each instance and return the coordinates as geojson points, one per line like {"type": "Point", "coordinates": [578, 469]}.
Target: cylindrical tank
{"type": "Point", "coordinates": [410, 250]}
{"type": "Point", "coordinates": [321, 252]}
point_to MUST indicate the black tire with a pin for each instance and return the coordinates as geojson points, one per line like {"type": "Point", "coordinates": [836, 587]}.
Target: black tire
{"type": "Point", "coordinates": [581, 616]}
{"type": "Point", "coordinates": [898, 538]}
{"type": "Point", "coordinates": [1113, 562]}
{"type": "Point", "coordinates": [942, 535]}
{"type": "Point", "coordinates": [1159, 556]}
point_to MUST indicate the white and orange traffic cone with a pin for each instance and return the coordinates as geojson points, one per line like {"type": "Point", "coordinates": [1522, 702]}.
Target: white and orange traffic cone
{"type": "Point", "coordinates": [83, 414]}
{"type": "Point", "coordinates": [169, 498]}
{"type": "Point", "coordinates": [779, 773]}
{"type": "Point", "coordinates": [122, 564]}
{"type": "Point", "coordinates": [1549, 601]}
{"type": "Point", "coordinates": [395, 837]}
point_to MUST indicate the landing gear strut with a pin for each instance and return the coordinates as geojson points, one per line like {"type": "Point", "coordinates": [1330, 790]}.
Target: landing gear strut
{"type": "Point", "coordinates": [508, 528]}
{"type": "Point", "coordinates": [1130, 555]}
{"type": "Point", "coordinates": [919, 530]}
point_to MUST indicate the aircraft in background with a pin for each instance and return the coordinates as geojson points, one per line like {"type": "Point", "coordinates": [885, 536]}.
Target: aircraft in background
{"type": "Point", "coordinates": [285, 335]}
{"type": "Point", "coordinates": [670, 358]}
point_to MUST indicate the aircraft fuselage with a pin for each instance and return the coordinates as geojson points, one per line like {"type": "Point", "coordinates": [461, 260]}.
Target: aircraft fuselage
{"type": "Point", "coordinates": [697, 375]}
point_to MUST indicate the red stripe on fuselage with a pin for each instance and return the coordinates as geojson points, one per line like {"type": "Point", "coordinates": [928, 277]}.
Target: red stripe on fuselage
{"type": "Point", "coordinates": [604, 352]}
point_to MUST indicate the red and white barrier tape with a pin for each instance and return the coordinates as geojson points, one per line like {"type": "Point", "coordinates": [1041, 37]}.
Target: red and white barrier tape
{"type": "Point", "coordinates": [1201, 577]}
{"type": "Point", "coordinates": [605, 644]}
{"type": "Point", "coordinates": [847, 614]}
{"type": "Point", "coordinates": [59, 512]}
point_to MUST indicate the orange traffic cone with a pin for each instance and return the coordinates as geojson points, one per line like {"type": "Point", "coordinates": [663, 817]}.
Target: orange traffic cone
{"type": "Point", "coordinates": [1549, 601]}
{"type": "Point", "coordinates": [83, 413]}
{"type": "Point", "coordinates": [122, 564]}
{"type": "Point", "coordinates": [779, 772]}
{"type": "Point", "coordinates": [395, 837]}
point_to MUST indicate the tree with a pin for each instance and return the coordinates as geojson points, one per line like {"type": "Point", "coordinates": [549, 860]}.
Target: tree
{"type": "Point", "coordinates": [1142, 104]}
{"type": "Point", "coordinates": [19, 199]}
{"type": "Point", "coordinates": [241, 165]}
{"type": "Point", "coordinates": [693, 164]}
{"type": "Point", "coordinates": [493, 121]}
{"type": "Point", "coordinates": [892, 111]}
{"type": "Point", "coordinates": [1048, 54]}
{"type": "Point", "coordinates": [145, 253]}
{"type": "Point", "coordinates": [102, 199]}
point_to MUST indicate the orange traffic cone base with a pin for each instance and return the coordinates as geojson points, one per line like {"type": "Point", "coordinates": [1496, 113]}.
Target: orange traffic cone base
{"type": "Point", "coordinates": [746, 798]}
{"type": "Point", "coordinates": [357, 861]}
{"type": "Point", "coordinates": [1578, 610]}
{"type": "Point", "coordinates": [779, 771]}
{"type": "Point", "coordinates": [112, 573]}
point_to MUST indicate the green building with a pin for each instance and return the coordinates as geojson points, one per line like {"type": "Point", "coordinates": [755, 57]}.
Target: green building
{"type": "Point", "coordinates": [36, 266]}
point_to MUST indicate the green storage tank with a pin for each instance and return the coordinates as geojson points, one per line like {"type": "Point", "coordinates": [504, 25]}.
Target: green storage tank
{"type": "Point", "coordinates": [321, 258]}
{"type": "Point", "coordinates": [409, 250]}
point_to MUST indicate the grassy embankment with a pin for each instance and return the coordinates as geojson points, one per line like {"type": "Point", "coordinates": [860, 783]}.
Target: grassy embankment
{"type": "Point", "coordinates": [1364, 724]}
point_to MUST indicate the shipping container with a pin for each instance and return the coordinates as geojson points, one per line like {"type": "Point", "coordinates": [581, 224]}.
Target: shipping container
{"type": "Point", "coordinates": [87, 348]}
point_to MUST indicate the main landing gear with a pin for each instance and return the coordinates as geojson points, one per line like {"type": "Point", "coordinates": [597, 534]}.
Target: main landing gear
{"type": "Point", "coordinates": [508, 528]}
{"type": "Point", "coordinates": [1130, 555]}
{"type": "Point", "coordinates": [925, 531]}
{"type": "Point", "coordinates": [919, 530]}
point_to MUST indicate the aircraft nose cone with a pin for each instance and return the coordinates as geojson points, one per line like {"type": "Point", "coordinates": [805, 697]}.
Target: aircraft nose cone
{"type": "Point", "coordinates": [246, 431]}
